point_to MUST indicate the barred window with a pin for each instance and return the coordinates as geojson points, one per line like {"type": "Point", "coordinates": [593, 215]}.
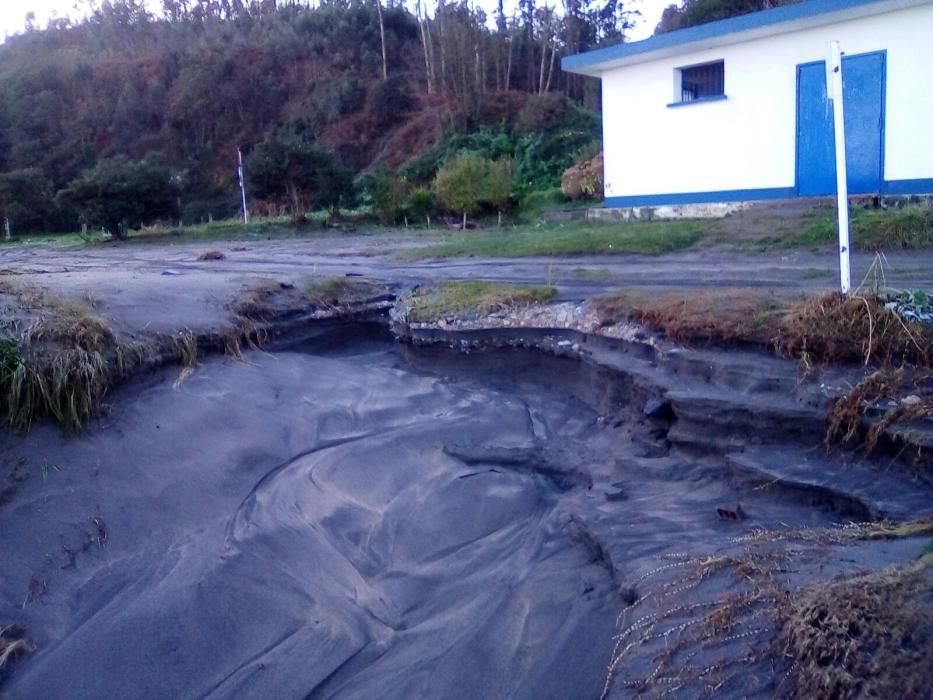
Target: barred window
{"type": "Point", "coordinates": [702, 82]}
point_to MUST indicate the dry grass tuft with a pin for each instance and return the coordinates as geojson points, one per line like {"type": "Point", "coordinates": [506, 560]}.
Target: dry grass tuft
{"type": "Point", "coordinates": [833, 327]}
{"type": "Point", "coordinates": [910, 391]}
{"type": "Point", "coordinates": [185, 347]}
{"type": "Point", "coordinates": [13, 643]}
{"type": "Point", "coordinates": [727, 624]}
{"type": "Point", "coordinates": [62, 365]}
{"type": "Point", "coordinates": [74, 328]}
{"type": "Point", "coordinates": [684, 626]}
{"type": "Point", "coordinates": [245, 333]}
{"type": "Point", "coordinates": [841, 535]}
{"type": "Point", "coordinates": [869, 636]}
{"type": "Point", "coordinates": [257, 304]}
{"type": "Point", "coordinates": [208, 255]}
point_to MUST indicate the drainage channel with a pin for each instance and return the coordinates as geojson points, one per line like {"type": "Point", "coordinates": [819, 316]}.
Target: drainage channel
{"type": "Point", "coordinates": [353, 517]}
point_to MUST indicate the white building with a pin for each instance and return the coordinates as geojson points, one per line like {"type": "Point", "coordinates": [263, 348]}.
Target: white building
{"type": "Point", "coordinates": [736, 110]}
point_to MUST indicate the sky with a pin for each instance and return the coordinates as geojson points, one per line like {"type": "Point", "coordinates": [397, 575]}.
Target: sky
{"type": "Point", "coordinates": [13, 13]}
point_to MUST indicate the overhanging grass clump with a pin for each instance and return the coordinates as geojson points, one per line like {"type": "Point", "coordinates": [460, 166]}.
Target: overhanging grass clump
{"type": "Point", "coordinates": [339, 291]}
{"type": "Point", "coordinates": [911, 393]}
{"type": "Point", "coordinates": [60, 368]}
{"type": "Point", "coordinates": [829, 327]}
{"type": "Point", "coordinates": [13, 643]}
{"type": "Point", "coordinates": [478, 297]}
{"type": "Point", "coordinates": [579, 238]}
{"type": "Point", "coordinates": [67, 359]}
{"type": "Point", "coordinates": [870, 636]}
{"type": "Point", "coordinates": [270, 299]}
{"type": "Point", "coordinates": [833, 327]}
{"type": "Point", "coordinates": [720, 317]}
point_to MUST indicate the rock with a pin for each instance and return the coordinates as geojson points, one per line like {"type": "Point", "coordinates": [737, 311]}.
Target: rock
{"type": "Point", "coordinates": [911, 401]}
{"type": "Point", "coordinates": [658, 408]}
{"type": "Point", "coordinates": [629, 595]}
{"type": "Point", "coordinates": [727, 514]}
{"type": "Point", "coordinates": [616, 495]}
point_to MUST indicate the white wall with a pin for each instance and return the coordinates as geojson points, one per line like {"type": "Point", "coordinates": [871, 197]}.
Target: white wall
{"type": "Point", "coordinates": [748, 141]}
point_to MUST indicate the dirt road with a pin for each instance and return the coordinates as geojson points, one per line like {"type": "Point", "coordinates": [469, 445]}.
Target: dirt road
{"type": "Point", "coordinates": [138, 285]}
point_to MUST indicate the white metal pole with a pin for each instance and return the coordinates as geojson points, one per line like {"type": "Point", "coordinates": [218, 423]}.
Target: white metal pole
{"type": "Point", "coordinates": [842, 188]}
{"type": "Point", "coordinates": [239, 157]}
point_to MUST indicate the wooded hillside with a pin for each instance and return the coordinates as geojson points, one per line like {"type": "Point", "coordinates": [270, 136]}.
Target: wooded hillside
{"type": "Point", "coordinates": [125, 118]}
{"type": "Point", "coordinates": [370, 85]}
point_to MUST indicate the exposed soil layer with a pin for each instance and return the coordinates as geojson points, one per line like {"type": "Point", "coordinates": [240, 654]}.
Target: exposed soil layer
{"type": "Point", "coordinates": [353, 517]}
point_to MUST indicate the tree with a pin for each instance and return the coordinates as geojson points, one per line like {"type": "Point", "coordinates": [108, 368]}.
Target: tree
{"type": "Point", "coordinates": [460, 184]}
{"type": "Point", "coordinates": [499, 184]}
{"type": "Point", "coordinates": [694, 12]}
{"type": "Point", "coordinates": [27, 201]}
{"type": "Point", "coordinates": [288, 168]}
{"type": "Point", "coordinates": [119, 194]}
{"type": "Point", "coordinates": [382, 40]}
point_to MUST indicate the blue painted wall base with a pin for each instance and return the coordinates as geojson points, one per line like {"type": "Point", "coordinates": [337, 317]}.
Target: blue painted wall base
{"type": "Point", "coordinates": [888, 187]}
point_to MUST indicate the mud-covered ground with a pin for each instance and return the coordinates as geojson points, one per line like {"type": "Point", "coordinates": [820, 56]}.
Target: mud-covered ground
{"type": "Point", "coordinates": [353, 517]}
{"type": "Point", "coordinates": [140, 285]}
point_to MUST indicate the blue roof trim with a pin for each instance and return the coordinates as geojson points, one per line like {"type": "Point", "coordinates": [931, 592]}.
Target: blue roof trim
{"type": "Point", "coordinates": [742, 23]}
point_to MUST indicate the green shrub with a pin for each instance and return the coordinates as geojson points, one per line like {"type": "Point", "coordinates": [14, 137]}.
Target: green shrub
{"type": "Point", "coordinates": [535, 202]}
{"type": "Point", "coordinates": [420, 204]}
{"type": "Point", "coordinates": [459, 184]}
{"type": "Point", "coordinates": [469, 183]}
{"type": "Point", "coordinates": [388, 192]}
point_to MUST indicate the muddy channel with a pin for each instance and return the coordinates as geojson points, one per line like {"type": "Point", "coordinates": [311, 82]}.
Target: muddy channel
{"type": "Point", "coordinates": [349, 516]}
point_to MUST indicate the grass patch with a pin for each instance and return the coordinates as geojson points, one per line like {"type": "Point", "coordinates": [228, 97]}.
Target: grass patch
{"type": "Point", "coordinates": [593, 274]}
{"type": "Point", "coordinates": [900, 228]}
{"type": "Point", "coordinates": [339, 291]}
{"type": "Point", "coordinates": [829, 327]}
{"type": "Point", "coordinates": [223, 230]}
{"type": "Point", "coordinates": [576, 238]}
{"type": "Point", "coordinates": [258, 303]}
{"type": "Point", "coordinates": [740, 316]}
{"type": "Point", "coordinates": [459, 298]}
{"type": "Point", "coordinates": [270, 299]}
{"type": "Point", "coordinates": [537, 202]}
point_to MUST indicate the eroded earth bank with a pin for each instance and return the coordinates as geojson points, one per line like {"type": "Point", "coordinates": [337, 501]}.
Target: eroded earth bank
{"type": "Point", "coordinates": [373, 508]}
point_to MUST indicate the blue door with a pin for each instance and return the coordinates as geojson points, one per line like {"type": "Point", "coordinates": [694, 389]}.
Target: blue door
{"type": "Point", "coordinates": [863, 94]}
